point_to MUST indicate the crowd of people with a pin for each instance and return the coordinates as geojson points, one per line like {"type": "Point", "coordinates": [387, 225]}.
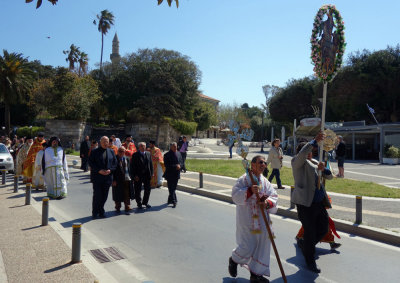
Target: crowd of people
{"type": "Point", "coordinates": [40, 163]}
{"type": "Point", "coordinates": [129, 170]}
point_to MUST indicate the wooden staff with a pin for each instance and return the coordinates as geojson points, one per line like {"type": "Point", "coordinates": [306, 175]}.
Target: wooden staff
{"type": "Point", "coordinates": [253, 181]}
{"type": "Point", "coordinates": [321, 145]}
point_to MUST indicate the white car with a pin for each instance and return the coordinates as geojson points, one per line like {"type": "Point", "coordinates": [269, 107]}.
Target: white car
{"type": "Point", "coordinates": [6, 160]}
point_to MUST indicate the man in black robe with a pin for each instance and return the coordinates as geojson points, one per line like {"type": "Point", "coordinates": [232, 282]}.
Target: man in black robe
{"type": "Point", "coordinates": [84, 153]}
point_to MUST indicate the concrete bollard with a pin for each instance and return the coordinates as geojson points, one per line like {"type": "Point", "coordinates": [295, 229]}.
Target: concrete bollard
{"type": "Point", "coordinates": [358, 209]}
{"type": "Point", "coordinates": [3, 176]}
{"type": "Point", "coordinates": [16, 177]}
{"type": "Point", "coordinates": [76, 243]}
{"type": "Point", "coordinates": [28, 194]}
{"type": "Point", "coordinates": [201, 179]}
{"type": "Point", "coordinates": [292, 206]}
{"type": "Point", "coordinates": [45, 211]}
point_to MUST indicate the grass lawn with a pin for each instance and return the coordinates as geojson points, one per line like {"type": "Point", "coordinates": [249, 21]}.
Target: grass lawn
{"type": "Point", "coordinates": [75, 153]}
{"type": "Point", "coordinates": [234, 168]}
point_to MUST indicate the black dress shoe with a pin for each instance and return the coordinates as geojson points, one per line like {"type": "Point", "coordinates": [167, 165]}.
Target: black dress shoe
{"type": "Point", "coordinates": [140, 206]}
{"type": "Point", "coordinates": [258, 278]}
{"type": "Point", "coordinates": [232, 267]}
{"type": "Point", "coordinates": [334, 245]}
{"type": "Point", "coordinates": [313, 267]}
{"type": "Point", "coordinates": [94, 216]}
{"type": "Point", "coordinates": [174, 205]}
{"type": "Point", "coordinates": [148, 206]}
{"type": "Point", "coordinates": [102, 216]}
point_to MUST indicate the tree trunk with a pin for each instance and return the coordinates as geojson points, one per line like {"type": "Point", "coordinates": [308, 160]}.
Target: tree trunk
{"type": "Point", "coordinates": [7, 118]}
{"type": "Point", "coordinates": [157, 133]}
{"type": "Point", "coordinates": [101, 56]}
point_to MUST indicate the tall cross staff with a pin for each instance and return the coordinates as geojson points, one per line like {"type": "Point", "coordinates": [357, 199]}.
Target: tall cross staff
{"type": "Point", "coordinates": [242, 150]}
{"type": "Point", "coordinates": [327, 49]}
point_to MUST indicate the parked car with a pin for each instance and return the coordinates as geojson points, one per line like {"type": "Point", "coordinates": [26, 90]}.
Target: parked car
{"type": "Point", "coordinates": [6, 160]}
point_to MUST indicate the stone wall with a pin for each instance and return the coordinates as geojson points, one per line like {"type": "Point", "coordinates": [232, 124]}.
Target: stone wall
{"type": "Point", "coordinates": [146, 132]}
{"type": "Point", "coordinates": [69, 131]}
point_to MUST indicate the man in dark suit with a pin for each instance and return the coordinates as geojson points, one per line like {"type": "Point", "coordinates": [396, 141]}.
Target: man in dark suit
{"type": "Point", "coordinates": [173, 163]}
{"type": "Point", "coordinates": [141, 172]}
{"type": "Point", "coordinates": [102, 162]}
{"type": "Point", "coordinates": [84, 153]}
{"type": "Point", "coordinates": [122, 187]}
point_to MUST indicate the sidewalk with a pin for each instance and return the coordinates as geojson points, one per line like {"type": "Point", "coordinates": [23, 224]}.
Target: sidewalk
{"type": "Point", "coordinates": [30, 252]}
{"type": "Point", "coordinates": [381, 217]}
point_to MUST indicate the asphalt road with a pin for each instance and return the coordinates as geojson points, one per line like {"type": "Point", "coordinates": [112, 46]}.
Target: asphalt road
{"type": "Point", "coordinates": [192, 242]}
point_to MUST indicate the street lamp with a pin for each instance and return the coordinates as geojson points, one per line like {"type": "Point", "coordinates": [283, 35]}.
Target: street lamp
{"type": "Point", "coordinates": [262, 131]}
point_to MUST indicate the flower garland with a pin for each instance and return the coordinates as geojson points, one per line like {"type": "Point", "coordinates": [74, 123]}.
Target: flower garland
{"type": "Point", "coordinates": [316, 55]}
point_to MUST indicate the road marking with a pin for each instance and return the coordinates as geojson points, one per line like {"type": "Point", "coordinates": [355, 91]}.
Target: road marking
{"type": "Point", "coordinates": [370, 175]}
{"type": "Point", "coordinates": [364, 211]}
{"type": "Point", "coordinates": [208, 182]}
{"type": "Point", "coordinates": [3, 274]}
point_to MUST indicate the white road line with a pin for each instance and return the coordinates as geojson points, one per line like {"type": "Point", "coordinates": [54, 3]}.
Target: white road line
{"type": "Point", "coordinates": [209, 182]}
{"type": "Point", "coordinates": [370, 175]}
{"type": "Point", "coordinates": [3, 274]}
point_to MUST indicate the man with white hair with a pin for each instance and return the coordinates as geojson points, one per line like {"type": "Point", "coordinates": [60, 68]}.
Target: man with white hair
{"type": "Point", "coordinates": [103, 163]}
{"type": "Point", "coordinates": [141, 173]}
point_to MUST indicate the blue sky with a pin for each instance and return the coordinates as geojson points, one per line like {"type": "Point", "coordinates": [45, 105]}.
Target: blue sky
{"type": "Point", "coordinates": [239, 46]}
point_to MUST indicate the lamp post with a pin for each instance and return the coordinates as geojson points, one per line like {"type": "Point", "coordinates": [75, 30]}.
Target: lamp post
{"type": "Point", "coordinates": [262, 131]}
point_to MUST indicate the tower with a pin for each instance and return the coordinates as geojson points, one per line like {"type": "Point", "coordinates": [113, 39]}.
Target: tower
{"type": "Point", "coordinates": [114, 56]}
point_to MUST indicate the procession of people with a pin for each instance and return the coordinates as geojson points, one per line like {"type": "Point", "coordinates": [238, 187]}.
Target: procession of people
{"type": "Point", "coordinates": [128, 170]}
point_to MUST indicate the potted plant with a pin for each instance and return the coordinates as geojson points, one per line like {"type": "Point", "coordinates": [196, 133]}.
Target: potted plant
{"type": "Point", "coordinates": [391, 155]}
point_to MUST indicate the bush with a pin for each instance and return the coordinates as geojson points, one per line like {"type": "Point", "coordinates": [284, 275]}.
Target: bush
{"type": "Point", "coordinates": [392, 152]}
{"type": "Point", "coordinates": [27, 131]}
{"type": "Point", "coordinates": [183, 127]}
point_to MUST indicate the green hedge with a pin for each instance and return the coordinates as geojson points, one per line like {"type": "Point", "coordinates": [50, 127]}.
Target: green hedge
{"type": "Point", "coordinates": [183, 127]}
{"type": "Point", "coordinates": [26, 131]}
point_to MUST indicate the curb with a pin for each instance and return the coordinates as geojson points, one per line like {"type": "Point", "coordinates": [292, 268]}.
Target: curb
{"type": "Point", "coordinates": [364, 231]}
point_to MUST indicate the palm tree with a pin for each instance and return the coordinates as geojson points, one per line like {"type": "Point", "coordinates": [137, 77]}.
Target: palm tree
{"type": "Point", "coordinates": [106, 20]}
{"type": "Point", "coordinates": [16, 77]}
{"type": "Point", "coordinates": [83, 62]}
{"type": "Point", "coordinates": [72, 56]}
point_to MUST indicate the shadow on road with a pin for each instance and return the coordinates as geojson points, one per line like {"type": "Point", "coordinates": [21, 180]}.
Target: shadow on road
{"type": "Point", "coordinates": [235, 280]}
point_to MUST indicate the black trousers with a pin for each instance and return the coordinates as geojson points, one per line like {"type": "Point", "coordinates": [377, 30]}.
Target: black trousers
{"type": "Point", "coordinates": [138, 188]}
{"type": "Point", "coordinates": [100, 195]}
{"type": "Point", "coordinates": [84, 163]}
{"type": "Point", "coordinates": [172, 183]}
{"type": "Point", "coordinates": [315, 222]}
{"type": "Point", "coordinates": [183, 154]}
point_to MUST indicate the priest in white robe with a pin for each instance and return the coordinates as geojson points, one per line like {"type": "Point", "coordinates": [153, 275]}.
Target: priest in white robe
{"type": "Point", "coordinates": [253, 243]}
{"type": "Point", "coordinates": [38, 179]}
{"type": "Point", "coordinates": [55, 170]}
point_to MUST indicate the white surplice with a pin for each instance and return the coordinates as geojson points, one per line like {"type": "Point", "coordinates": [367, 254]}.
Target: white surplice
{"type": "Point", "coordinates": [37, 178]}
{"type": "Point", "coordinates": [253, 243]}
{"type": "Point", "coordinates": [56, 172]}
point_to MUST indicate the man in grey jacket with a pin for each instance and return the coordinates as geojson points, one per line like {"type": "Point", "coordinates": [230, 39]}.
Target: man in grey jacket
{"type": "Point", "coordinates": [310, 200]}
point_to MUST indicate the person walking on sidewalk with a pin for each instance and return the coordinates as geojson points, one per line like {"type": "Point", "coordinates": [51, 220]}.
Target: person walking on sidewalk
{"type": "Point", "coordinates": [253, 244]}
{"type": "Point", "coordinates": [183, 148]}
{"type": "Point", "coordinates": [55, 169]}
{"type": "Point", "coordinates": [173, 163]}
{"type": "Point", "coordinates": [84, 153]}
{"type": "Point", "coordinates": [141, 173]}
{"type": "Point", "coordinates": [122, 187]}
{"type": "Point", "coordinates": [311, 201]}
{"type": "Point", "coordinates": [340, 156]}
{"type": "Point", "coordinates": [102, 163]}
{"type": "Point", "coordinates": [275, 157]}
